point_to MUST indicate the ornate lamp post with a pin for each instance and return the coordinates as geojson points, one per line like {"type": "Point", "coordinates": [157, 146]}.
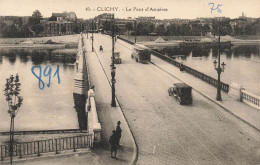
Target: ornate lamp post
{"type": "Point", "coordinates": [113, 68]}
{"type": "Point", "coordinates": [92, 38]}
{"type": "Point", "coordinates": [219, 69]}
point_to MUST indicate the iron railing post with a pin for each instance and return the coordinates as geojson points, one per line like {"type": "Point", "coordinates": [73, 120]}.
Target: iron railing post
{"type": "Point", "coordinates": [38, 143]}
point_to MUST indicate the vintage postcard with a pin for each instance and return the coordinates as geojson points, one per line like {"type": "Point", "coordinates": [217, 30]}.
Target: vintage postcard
{"type": "Point", "coordinates": [143, 82]}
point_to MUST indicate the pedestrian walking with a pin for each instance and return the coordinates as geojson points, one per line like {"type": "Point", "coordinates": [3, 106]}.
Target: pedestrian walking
{"type": "Point", "coordinates": [112, 141]}
{"type": "Point", "coordinates": [93, 87]}
{"type": "Point", "coordinates": [118, 133]}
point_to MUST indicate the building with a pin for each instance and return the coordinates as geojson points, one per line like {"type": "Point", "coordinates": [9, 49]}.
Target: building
{"type": "Point", "coordinates": [100, 19]}
{"type": "Point", "coordinates": [122, 22]}
{"type": "Point", "coordinates": [145, 19]}
{"type": "Point", "coordinates": [53, 28]}
{"type": "Point", "coordinates": [64, 24]}
{"type": "Point", "coordinates": [248, 19]}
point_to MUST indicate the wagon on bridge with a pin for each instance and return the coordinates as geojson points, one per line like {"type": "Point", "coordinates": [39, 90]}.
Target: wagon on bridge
{"type": "Point", "coordinates": [181, 92]}
{"type": "Point", "coordinates": [117, 58]}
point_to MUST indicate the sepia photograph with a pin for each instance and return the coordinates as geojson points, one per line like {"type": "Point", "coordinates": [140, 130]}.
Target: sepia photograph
{"type": "Point", "coordinates": [129, 82]}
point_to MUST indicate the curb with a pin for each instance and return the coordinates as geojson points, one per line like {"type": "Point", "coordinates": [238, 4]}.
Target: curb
{"type": "Point", "coordinates": [135, 151]}
{"type": "Point", "coordinates": [212, 100]}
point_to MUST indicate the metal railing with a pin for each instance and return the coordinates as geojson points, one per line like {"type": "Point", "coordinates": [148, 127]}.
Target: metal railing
{"type": "Point", "coordinates": [210, 80]}
{"type": "Point", "coordinates": [132, 43]}
{"type": "Point", "coordinates": [45, 146]}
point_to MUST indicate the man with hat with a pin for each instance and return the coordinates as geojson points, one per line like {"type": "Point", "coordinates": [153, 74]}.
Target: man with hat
{"type": "Point", "coordinates": [118, 133]}
{"type": "Point", "coordinates": [112, 141]}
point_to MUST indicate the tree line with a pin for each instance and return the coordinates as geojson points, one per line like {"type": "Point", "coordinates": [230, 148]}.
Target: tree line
{"type": "Point", "coordinates": [194, 28]}
{"type": "Point", "coordinates": [19, 29]}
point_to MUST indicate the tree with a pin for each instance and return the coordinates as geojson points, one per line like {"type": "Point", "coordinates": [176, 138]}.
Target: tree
{"type": "Point", "coordinates": [37, 15]}
{"type": "Point", "coordinates": [106, 25]}
{"type": "Point", "coordinates": [151, 27]}
{"type": "Point", "coordinates": [23, 31]}
{"type": "Point", "coordinates": [185, 29]}
{"type": "Point", "coordinates": [248, 29]}
{"type": "Point", "coordinates": [53, 18]}
{"type": "Point", "coordinates": [10, 31]}
{"type": "Point", "coordinates": [171, 29]}
{"type": "Point", "coordinates": [206, 28]}
{"type": "Point", "coordinates": [139, 28]}
{"type": "Point", "coordinates": [12, 93]}
{"type": "Point", "coordinates": [238, 30]}
{"type": "Point", "coordinates": [196, 29]}
{"type": "Point", "coordinates": [117, 29]}
{"type": "Point", "coordinates": [256, 28]}
{"type": "Point", "coordinates": [160, 29]}
{"type": "Point", "coordinates": [129, 26]}
{"type": "Point", "coordinates": [76, 29]}
{"type": "Point", "coordinates": [34, 22]}
{"type": "Point", "coordinates": [37, 28]}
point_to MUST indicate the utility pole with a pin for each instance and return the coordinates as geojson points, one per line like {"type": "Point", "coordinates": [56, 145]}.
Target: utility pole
{"type": "Point", "coordinates": [135, 29]}
{"type": "Point", "coordinates": [218, 98]}
{"type": "Point", "coordinates": [113, 68]}
{"type": "Point", "coordinates": [92, 36]}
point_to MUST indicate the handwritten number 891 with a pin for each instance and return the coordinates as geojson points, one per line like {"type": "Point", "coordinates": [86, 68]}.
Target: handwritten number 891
{"type": "Point", "coordinates": [47, 73]}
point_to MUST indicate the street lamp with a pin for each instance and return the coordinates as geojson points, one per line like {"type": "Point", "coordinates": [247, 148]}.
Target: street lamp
{"type": "Point", "coordinates": [92, 37]}
{"type": "Point", "coordinates": [135, 29]}
{"type": "Point", "coordinates": [113, 68]}
{"type": "Point", "coordinates": [218, 68]}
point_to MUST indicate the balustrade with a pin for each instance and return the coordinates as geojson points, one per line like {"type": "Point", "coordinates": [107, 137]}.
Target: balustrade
{"type": "Point", "coordinates": [45, 146]}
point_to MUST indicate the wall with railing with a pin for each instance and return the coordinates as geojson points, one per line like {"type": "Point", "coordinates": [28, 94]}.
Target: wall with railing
{"type": "Point", "coordinates": [251, 99]}
{"type": "Point", "coordinates": [94, 127]}
{"type": "Point", "coordinates": [57, 131]}
{"type": "Point", "coordinates": [46, 146]}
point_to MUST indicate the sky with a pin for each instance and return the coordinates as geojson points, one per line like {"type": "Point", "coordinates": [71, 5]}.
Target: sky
{"type": "Point", "coordinates": [184, 9]}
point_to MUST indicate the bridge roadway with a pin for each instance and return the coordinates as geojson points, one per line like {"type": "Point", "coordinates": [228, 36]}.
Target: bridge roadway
{"type": "Point", "coordinates": [169, 133]}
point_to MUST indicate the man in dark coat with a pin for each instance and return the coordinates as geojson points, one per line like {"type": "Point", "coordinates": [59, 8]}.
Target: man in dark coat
{"type": "Point", "coordinates": [112, 141]}
{"type": "Point", "coordinates": [118, 133]}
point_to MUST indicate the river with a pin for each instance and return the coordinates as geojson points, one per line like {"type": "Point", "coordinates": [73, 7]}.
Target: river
{"type": "Point", "coordinates": [43, 109]}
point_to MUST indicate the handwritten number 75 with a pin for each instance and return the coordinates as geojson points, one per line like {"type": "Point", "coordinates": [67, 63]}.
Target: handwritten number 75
{"type": "Point", "coordinates": [47, 73]}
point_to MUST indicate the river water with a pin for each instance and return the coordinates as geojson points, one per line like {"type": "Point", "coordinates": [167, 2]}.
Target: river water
{"type": "Point", "coordinates": [242, 63]}
{"type": "Point", "coordinates": [43, 109]}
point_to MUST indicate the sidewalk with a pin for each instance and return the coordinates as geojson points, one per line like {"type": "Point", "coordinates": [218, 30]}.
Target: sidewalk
{"type": "Point", "coordinates": [108, 116]}
{"type": "Point", "coordinates": [244, 112]}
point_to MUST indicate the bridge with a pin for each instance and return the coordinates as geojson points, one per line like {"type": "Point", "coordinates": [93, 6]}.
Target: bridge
{"type": "Point", "coordinates": [156, 129]}
{"type": "Point", "coordinates": [207, 132]}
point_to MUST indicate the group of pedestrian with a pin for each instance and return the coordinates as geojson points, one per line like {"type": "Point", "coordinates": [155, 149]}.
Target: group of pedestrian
{"type": "Point", "coordinates": [115, 139]}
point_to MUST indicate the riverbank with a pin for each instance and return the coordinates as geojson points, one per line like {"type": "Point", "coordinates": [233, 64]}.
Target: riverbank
{"type": "Point", "coordinates": [176, 39]}
{"type": "Point", "coordinates": [66, 41]}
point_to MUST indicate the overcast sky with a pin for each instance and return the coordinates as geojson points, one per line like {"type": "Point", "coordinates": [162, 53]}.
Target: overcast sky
{"type": "Point", "coordinates": [175, 8]}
